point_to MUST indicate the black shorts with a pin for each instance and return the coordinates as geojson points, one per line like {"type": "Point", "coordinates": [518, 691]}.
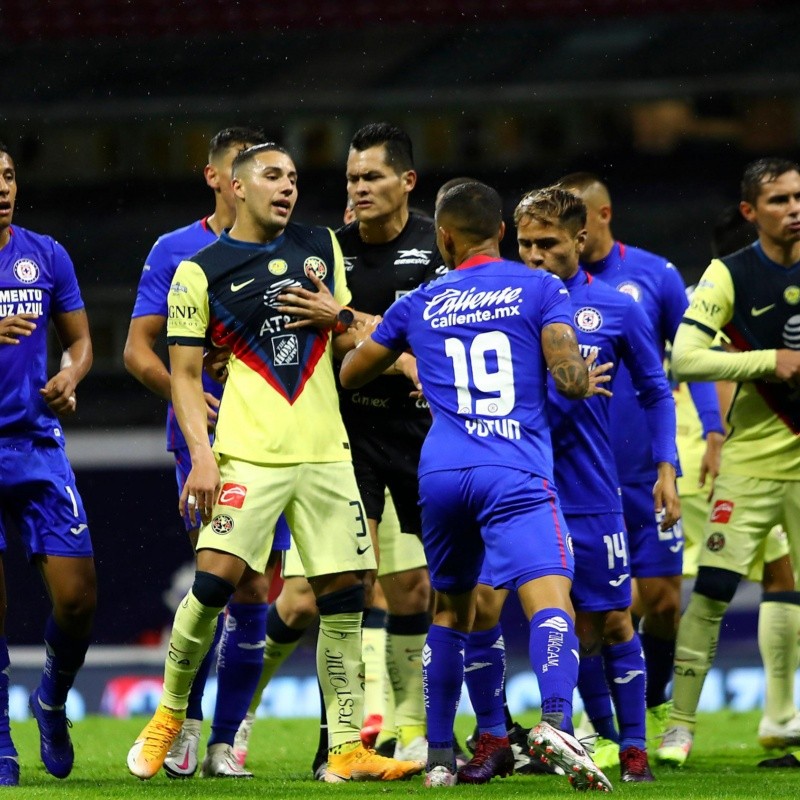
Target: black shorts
{"type": "Point", "coordinates": [386, 454]}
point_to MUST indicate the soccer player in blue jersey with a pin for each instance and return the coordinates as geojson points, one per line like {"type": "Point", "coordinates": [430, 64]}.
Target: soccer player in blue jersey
{"type": "Point", "coordinates": [610, 329]}
{"type": "Point", "coordinates": [238, 668]}
{"type": "Point", "coordinates": [656, 554]}
{"type": "Point", "coordinates": [38, 495]}
{"type": "Point", "coordinates": [484, 336]}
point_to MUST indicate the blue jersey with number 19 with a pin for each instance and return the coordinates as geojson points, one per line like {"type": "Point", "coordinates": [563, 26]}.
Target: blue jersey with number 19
{"type": "Point", "coordinates": [476, 333]}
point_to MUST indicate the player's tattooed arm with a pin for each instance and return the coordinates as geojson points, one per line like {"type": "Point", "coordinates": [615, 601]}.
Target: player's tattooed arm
{"type": "Point", "coordinates": [563, 358]}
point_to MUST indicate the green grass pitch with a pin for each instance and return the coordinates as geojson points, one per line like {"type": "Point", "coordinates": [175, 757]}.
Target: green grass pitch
{"type": "Point", "coordinates": [723, 765]}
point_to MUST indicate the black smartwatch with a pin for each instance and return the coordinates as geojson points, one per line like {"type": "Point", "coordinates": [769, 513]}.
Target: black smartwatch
{"type": "Point", "coordinates": [344, 319]}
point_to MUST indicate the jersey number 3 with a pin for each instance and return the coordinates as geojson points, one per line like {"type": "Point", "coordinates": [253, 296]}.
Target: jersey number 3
{"type": "Point", "coordinates": [486, 370]}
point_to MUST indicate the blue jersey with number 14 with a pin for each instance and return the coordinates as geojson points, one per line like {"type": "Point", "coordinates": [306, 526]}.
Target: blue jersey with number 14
{"type": "Point", "coordinates": [476, 333]}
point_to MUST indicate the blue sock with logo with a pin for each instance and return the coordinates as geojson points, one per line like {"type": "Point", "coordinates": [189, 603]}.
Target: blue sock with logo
{"type": "Point", "coordinates": [553, 651]}
{"type": "Point", "coordinates": [596, 696]}
{"type": "Point", "coordinates": [484, 674]}
{"type": "Point", "coordinates": [626, 675]}
{"type": "Point", "coordinates": [442, 676]}
{"type": "Point", "coordinates": [6, 745]}
{"type": "Point", "coordinates": [195, 707]}
{"type": "Point", "coordinates": [241, 653]}
{"type": "Point", "coordinates": [659, 656]}
{"type": "Point", "coordinates": [64, 658]}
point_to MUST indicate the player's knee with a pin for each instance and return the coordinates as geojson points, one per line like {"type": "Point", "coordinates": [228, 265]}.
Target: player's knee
{"type": "Point", "coordinates": [717, 584]}
{"type": "Point", "coordinates": [342, 601]}
{"type": "Point", "coordinates": [252, 588]}
{"type": "Point", "coordinates": [211, 590]}
{"type": "Point", "coordinates": [617, 628]}
{"type": "Point", "coordinates": [407, 592]}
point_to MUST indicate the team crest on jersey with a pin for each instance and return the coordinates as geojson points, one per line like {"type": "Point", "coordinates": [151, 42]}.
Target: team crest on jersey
{"type": "Point", "coordinates": [632, 289]}
{"type": "Point", "coordinates": [285, 350]}
{"type": "Point", "coordinates": [222, 524]}
{"type": "Point", "coordinates": [26, 271]}
{"type": "Point", "coordinates": [315, 266]}
{"type": "Point", "coordinates": [791, 332]}
{"type": "Point", "coordinates": [716, 542]}
{"type": "Point", "coordinates": [277, 266]}
{"type": "Point", "coordinates": [232, 494]}
{"type": "Point", "coordinates": [791, 294]}
{"type": "Point", "coordinates": [588, 319]}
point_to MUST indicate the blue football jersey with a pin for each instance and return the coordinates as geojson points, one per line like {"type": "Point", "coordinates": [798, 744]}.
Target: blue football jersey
{"type": "Point", "coordinates": [476, 333]}
{"type": "Point", "coordinates": [656, 285]}
{"type": "Point", "coordinates": [151, 296]}
{"type": "Point", "coordinates": [36, 277]}
{"type": "Point", "coordinates": [613, 327]}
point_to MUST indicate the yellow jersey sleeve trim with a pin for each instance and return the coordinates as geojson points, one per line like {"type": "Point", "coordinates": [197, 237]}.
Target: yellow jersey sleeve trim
{"type": "Point", "coordinates": [188, 311]}
{"type": "Point", "coordinates": [712, 300]}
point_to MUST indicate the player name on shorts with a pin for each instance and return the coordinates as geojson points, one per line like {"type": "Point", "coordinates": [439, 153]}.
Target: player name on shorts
{"type": "Point", "coordinates": [443, 309]}
{"type": "Point", "coordinates": [506, 427]}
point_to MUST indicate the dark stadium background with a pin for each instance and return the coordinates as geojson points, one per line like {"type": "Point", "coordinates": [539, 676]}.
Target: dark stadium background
{"type": "Point", "coordinates": [107, 107]}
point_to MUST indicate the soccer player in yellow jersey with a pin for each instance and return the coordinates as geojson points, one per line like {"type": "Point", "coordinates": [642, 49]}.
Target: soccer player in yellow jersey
{"type": "Point", "coordinates": [280, 446]}
{"type": "Point", "coordinates": [753, 297]}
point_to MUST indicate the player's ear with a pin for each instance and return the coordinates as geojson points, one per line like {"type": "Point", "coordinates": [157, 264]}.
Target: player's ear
{"type": "Point", "coordinates": [409, 179]}
{"type": "Point", "coordinates": [748, 211]}
{"type": "Point", "coordinates": [604, 213]}
{"type": "Point", "coordinates": [501, 231]}
{"type": "Point", "coordinates": [212, 177]}
{"type": "Point", "coordinates": [580, 240]}
{"type": "Point", "coordinates": [238, 188]}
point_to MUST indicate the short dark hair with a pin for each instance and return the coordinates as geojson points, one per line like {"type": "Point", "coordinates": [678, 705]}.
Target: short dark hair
{"type": "Point", "coordinates": [396, 143]}
{"type": "Point", "coordinates": [475, 208]}
{"type": "Point", "coordinates": [761, 171]}
{"type": "Point", "coordinates": [4, 148]}
{"type": "Point", "coordinates": [227, 137]}
{"type": "Point", "coordinates": [553, 203]}
{"type": "Point", "coordinates": [249, 153]}
{"type": "Point", "coordinates": [579, 181]}
{"type": "Point", "coordinates": [451, 183]}
{"type": "Point", "coordinates": [731, 232]}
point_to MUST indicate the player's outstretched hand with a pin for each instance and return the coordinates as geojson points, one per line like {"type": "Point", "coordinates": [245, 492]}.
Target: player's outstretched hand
{"type": "Point", "coordinates": [318, 309]}
{"type": "Point", "coordinates": [212, 408]}
{"type": "Point", "coordinates": [215, 363]}
{"type": "Point", "coordinates": [15, 326]}
{"type": "Point", "coordinates": [362, 329]}
{"type": "Point", "coordinates": [201, 489]}
{"type": "Point", "coordinates": [787, 366]}
{"type": "Point", "coordinates": [598, 375]}
{"type": "Point", "coordinates": [665, 496]}
{"type": "Point", "coordinates": [59, 393]}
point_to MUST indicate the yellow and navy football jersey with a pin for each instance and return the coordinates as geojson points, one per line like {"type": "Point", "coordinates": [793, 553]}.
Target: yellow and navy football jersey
{"type": "Point", "coordinates": [754, 301]}
{"type": "Point", "coordinates": [280, 404]}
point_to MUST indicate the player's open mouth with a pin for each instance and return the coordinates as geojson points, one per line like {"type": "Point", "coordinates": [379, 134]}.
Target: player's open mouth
{"type": "Point", "coordinates": [282, 207]}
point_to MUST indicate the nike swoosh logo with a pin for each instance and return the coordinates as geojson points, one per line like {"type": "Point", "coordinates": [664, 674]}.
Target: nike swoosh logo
{"type": "Point", "coordinates": [757, 312]}
{"type": "Point", "coordinates": [79, 530]}
{"type": "Point", "coordinates": [362, 550]}
{"type": "Point", "coordinates": [236, 286]}
{"type": "Point", "coordinates": [184, 765]}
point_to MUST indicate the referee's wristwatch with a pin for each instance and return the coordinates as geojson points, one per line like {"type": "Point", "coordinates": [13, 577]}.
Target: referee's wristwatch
{"type": "Point", "coordinates": [344, 319]}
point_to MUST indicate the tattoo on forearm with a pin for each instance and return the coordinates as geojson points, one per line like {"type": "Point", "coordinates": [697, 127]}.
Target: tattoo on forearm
{"type": "Point", "coordinates": [564, 360]}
